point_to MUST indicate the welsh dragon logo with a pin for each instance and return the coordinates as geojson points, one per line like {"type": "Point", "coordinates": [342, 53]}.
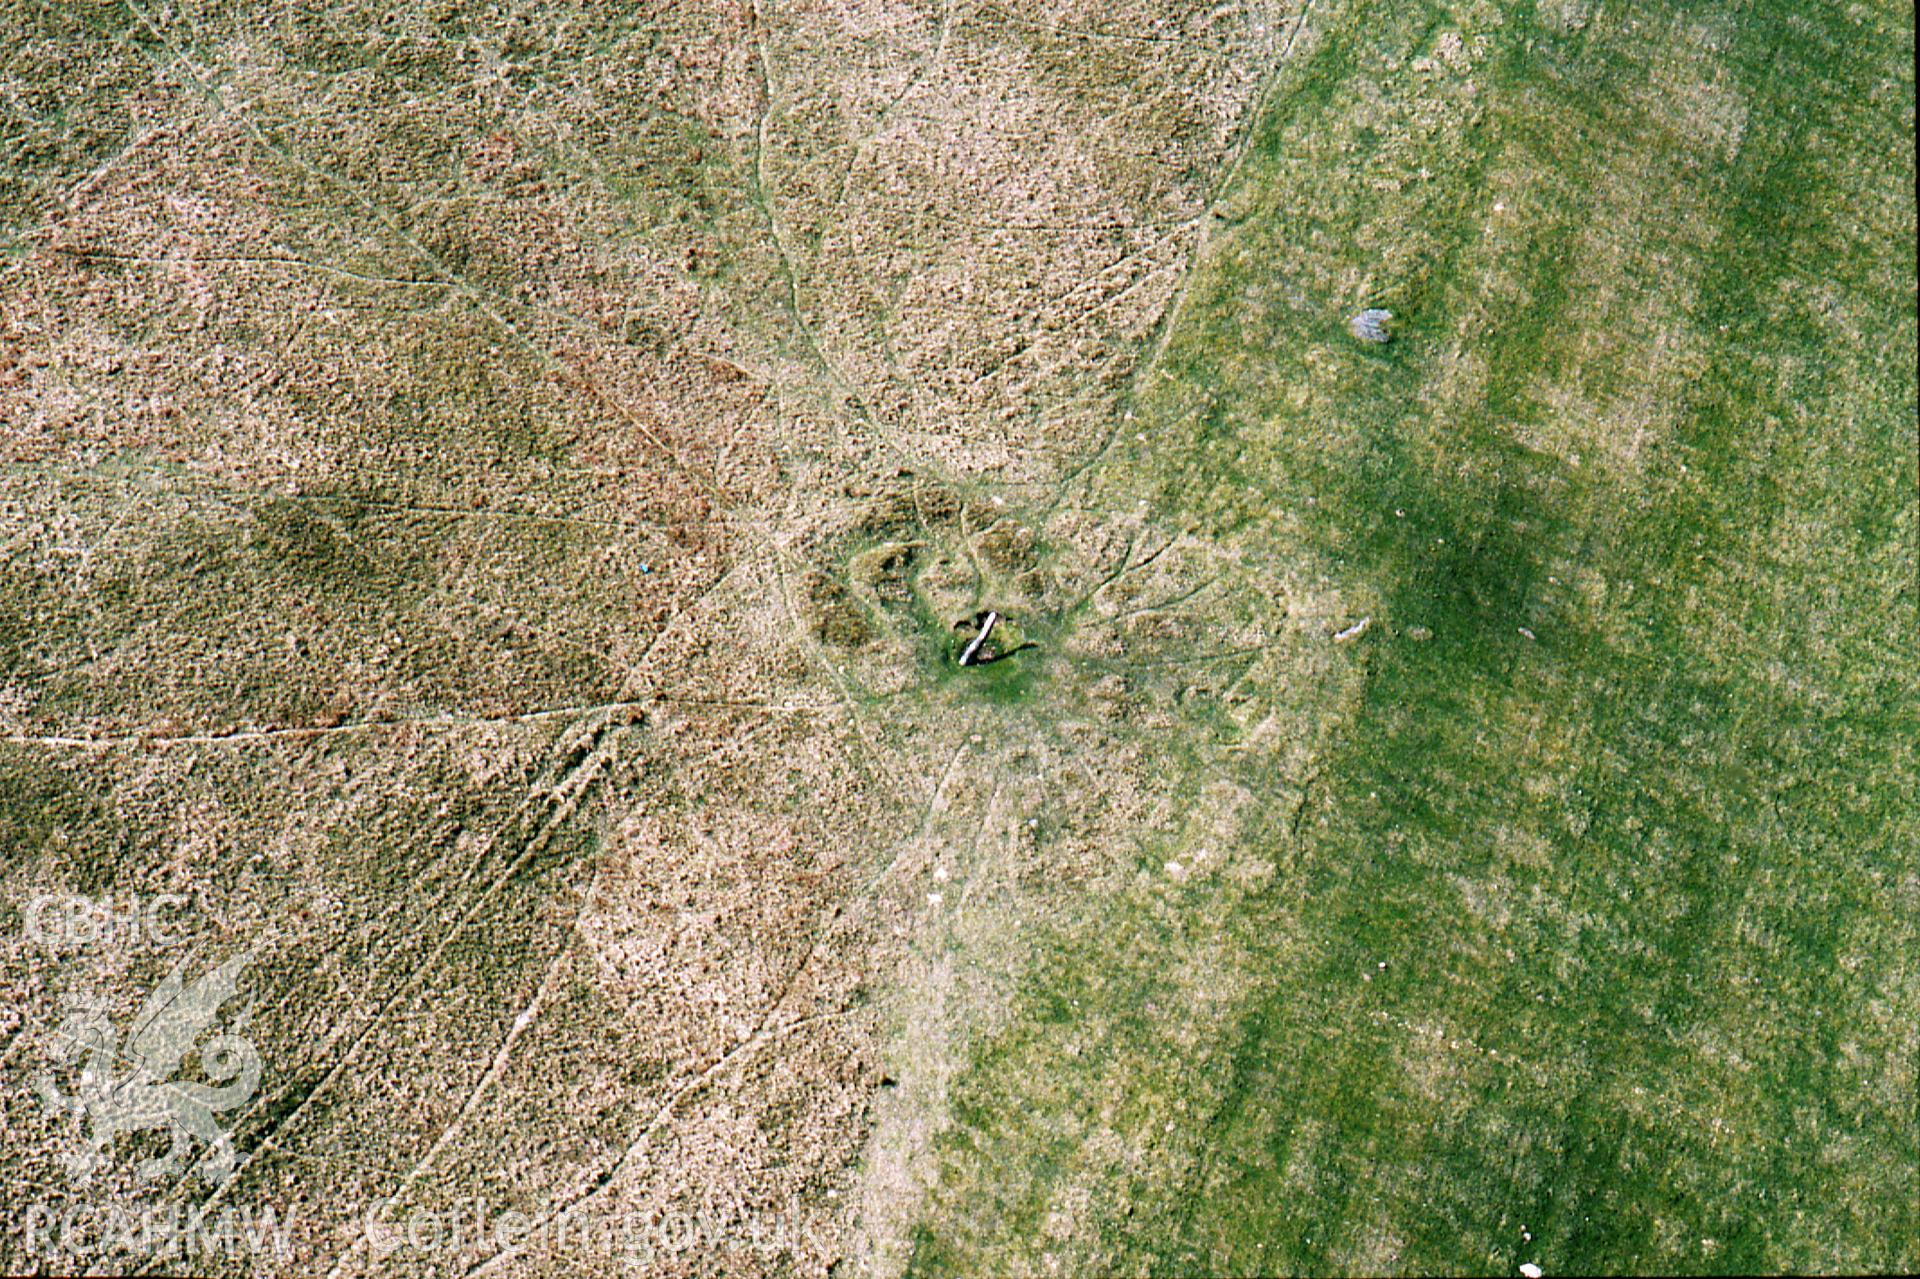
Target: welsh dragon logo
{"type": "Point", "coordinates": [135, 1089]}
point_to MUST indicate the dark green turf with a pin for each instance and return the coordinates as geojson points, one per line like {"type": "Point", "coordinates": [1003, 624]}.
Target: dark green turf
{"type": "Point", "coordinates": [1685, 1041]}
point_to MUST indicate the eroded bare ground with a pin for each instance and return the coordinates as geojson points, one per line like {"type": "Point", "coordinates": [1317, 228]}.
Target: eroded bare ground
{"type": "Point", "coordinates": [487, 493]}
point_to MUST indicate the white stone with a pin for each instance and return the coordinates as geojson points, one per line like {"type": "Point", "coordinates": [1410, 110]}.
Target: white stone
{"type": "Point", "coordinates": [1370, 325]}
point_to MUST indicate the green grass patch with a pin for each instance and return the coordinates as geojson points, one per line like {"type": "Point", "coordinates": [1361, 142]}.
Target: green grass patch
{"type": "Point", "coordinates": [1627, 830]}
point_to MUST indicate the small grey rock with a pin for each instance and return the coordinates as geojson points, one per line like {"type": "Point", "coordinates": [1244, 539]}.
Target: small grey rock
{"type": "Point", "coordinates": [1371, 325]}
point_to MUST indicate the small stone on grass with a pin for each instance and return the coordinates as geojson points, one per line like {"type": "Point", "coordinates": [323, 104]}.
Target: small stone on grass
{"type": "Point", "coordinates": [1370, 325]}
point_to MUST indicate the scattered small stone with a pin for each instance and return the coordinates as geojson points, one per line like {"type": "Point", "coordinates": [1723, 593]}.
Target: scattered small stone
{"type": "Point", "coordinates": [1529, 634]}
{"type": "Point", "coordinates": [1370, 325]}
{"type": "Point", "coordinates": [1530, 1270]}
{"type": "Point", "coordinates": [1419, 634]}
{"type": "Point", "coordinates": [1353, 632]}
